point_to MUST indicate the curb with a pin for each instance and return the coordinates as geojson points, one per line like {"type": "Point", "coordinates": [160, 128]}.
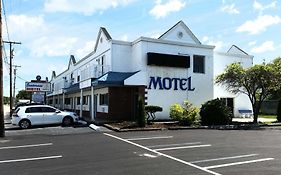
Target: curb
{"type": "Point", "coordinates": [217, 127]}
{"type": "Point", "coordinates": [128, 130]}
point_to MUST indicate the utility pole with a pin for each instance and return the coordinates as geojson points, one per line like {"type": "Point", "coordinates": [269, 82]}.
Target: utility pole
{"type": "Point", "coordinates": [11, 70]}
{"type": "Point", "coordinates": [14, 86]}
{"type": "Point", "coordinates": [2, 126]}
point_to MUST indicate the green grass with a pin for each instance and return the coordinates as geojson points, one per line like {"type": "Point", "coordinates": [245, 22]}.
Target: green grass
{"type": "Point", "coordinates": [268, 116]}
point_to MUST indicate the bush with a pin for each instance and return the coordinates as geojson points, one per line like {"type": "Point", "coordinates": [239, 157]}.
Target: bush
{"type": "Point", "coordinates": [279, 111]}
{"type": "Point", "coordinates": [141, 113]}
{"type": "Point", "coordinates": [186, 115]}
{"type": "Point", "coordinates": [176, 111]}
{"type": "Point", "coordinates": [151, 110]}
{"type": "Point", "coordinates": [215, 112]}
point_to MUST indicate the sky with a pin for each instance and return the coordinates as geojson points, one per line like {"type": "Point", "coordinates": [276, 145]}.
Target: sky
{"type": "Point", "coordinates": [52, 30]}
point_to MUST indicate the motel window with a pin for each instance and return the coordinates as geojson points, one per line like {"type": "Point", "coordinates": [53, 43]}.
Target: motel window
{"type": "Point", "coordinates": [104, 99]}
{"type": "Point", "coordinates": [78, 100]}
{"type": "Point", "coordinates": [85, 100]}
{"type": "Point", "coordinates": [67, 101]}
{"type": "Point", "coordinates": [198, 64]}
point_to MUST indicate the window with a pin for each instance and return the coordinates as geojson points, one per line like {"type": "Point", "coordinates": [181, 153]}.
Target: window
{"type": "Point", "coordinates": [47, 109]}
{"type": "Point", "coordinates": [67, 101]}
{"type": "Point", "coordinates": [33, 110]}
{"type": "Point", "coordinates": [78, 78]}
{"type": "Point", "coordinates": [78, 100]}
{"type": "Point", "coordinates": [56, 101]}
{"type": "Point", "coordinates": [198, 64]}
{"type": "Point", "coordinates": [85, 100]}
{"type": "Point", "coordinates": [104, 99]}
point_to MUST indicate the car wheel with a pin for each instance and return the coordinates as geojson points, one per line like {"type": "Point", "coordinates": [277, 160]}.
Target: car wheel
{"type": "Point", "coordinates": [67, 121]}
{"type": "Point", "coordinates": [24, 124]}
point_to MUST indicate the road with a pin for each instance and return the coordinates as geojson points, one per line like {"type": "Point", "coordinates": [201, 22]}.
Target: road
{"type": "Point", "coordinates": [198, 152]}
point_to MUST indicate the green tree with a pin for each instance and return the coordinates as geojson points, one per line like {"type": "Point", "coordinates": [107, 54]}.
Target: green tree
{"type": "Point", "coordinates": [23, 94]}
{"type": "Point", "coordinates": [257, 82]}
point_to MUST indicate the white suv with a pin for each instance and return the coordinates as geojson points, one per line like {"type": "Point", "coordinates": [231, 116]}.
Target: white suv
{"type": "Point", "coordinates": [27, 116]}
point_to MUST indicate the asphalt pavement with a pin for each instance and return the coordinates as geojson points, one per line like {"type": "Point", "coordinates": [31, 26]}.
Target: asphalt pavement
{"type": "Point", "coordinates": [197, 152]}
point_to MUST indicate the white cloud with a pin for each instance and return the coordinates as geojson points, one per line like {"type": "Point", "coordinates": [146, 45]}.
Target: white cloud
{"type": "Point", "coordinates": [264, 47]}
{"type": "Point", "coordinates": [85, 50]}
{"type": "Point", "coordinates": [252, 43]}
{"type": "Point", "coordinates": [161, 10]}
{"type": "Point", "coordinates": [86, 7]}
{"type": "Point", "coordinates": [262, 7]}
{"type": "Point", "coordinates": [210, 41]}
{"type": "Point", "coordinates": [124, 38]}
{"type": "Point", "coordinates": [24, 26]}
{"type": "Point", "coordinates": [53, 46]}
{"type": "Point", "coordinates": [259, 25]}
{"type": "Point", "coordinates": [231, 9]}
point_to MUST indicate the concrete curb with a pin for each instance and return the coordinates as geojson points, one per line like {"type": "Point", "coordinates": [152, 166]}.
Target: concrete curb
{"type": "Point", "coordinates": [216, 127]}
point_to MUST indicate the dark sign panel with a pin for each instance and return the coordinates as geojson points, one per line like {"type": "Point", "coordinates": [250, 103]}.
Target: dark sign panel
{"type": "Point", "coordinates": [167, 60]}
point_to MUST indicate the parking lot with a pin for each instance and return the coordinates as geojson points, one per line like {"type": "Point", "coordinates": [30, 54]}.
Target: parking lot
{"type": "Point", "coordinates": [196, 152]}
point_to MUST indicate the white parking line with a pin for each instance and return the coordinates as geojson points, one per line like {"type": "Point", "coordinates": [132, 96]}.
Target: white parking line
{"type": "Point", "coordinates": [148, 138]}
{"type": "Point", "coordinates": [179, 144]}
{"type": "Point", "coordinates": [26, 146]}
{"type": "Point", "coordinates": [164, 155]}
{"type": "Point", "coordinates": [31, 159]}
{"type": "Point", "coordinates": [238, 163]}
{"type": "Point", "coordinates": [181, 147]}
{"type": "Point", "coordinates": [224, 158]}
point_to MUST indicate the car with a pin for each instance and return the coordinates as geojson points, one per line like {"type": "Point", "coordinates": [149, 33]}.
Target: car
{"type": "Point", "coordinates": [27, 116]}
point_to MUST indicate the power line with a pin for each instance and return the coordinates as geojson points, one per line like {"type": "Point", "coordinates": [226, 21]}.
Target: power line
{"type": "Point", "coordinates": [21, 78]}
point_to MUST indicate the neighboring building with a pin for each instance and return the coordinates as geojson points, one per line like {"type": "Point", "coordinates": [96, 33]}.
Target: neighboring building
{"type": "Point", "coordinates": [107, 83]}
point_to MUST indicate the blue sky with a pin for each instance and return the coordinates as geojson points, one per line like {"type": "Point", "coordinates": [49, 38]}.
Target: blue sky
{"type": "Point", "coordinates": [51, 30]}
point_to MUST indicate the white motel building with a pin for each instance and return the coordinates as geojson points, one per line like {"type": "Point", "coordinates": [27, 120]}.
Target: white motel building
{"type": "Point", "coordinates": [106, 83]}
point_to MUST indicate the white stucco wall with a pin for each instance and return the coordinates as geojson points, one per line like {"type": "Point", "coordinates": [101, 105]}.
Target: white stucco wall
{"type": "Point", "coordinates": [101, 108]}
{"type": "Point", "coordinates": [203, 83]}
{"type": "Point", "coordinates": [221, 60]}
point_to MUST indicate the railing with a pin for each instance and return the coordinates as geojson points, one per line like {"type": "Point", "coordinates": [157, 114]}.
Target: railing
{"type": "Point", "coordinates": [94, 71]}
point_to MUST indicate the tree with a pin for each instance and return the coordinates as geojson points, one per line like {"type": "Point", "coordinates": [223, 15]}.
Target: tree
{"type": "Point", "coordinates": [257, 82]}
{"type": "Point", "coordinates": [23, 94]}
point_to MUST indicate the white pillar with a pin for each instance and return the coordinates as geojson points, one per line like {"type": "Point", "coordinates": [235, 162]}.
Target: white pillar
{"type": "Point", "coordinates": [92, 104]}
{"type": "Point", "coordinates": [63, 100]}
{"type": "Point", "coordinates": [81, 101]}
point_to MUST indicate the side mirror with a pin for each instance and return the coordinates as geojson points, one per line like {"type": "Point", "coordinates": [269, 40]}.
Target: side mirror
{"type": "Point", "coordinates": [57, 111]}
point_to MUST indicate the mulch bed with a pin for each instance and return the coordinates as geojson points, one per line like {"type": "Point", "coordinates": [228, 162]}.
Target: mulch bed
{"type": "Point", "coordinates": [127, 125]}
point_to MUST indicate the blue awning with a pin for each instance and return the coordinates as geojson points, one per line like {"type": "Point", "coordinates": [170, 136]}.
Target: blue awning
{"type": "Point", "coordinates": [112, 78]}
{"type": "Point", "coordinates": [72, 88]}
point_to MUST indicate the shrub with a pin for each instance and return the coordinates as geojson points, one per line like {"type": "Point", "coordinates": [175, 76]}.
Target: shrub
{"type": "Point", "coordinates": [141, 113]}
{"type": "Point", "coordinates": [151, 110]}
{"type": "Point", "coordinates": [215, 112]}
{"type": "Point", "coordinates": [186, 115]}
{"type": "Point", "coordinates": [279, 111]}
{"type": "Point", "coordinates": [176, 111]}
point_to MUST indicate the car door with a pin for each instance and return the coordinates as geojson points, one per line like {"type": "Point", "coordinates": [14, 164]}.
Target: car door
{"type": "Point", "coordinates": [35, 115]}
{"type": "Point", "coordinates": [51, 116]}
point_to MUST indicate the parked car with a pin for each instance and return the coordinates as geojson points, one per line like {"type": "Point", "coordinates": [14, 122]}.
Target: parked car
{"type": "Point", "coordinates": [27, 116]}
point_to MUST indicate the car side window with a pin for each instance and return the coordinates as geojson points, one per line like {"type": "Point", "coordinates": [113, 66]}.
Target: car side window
{"type": "Point", "coordinates": [33, 110]}
{"type": "Point", "coordinates": [47, 109]}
